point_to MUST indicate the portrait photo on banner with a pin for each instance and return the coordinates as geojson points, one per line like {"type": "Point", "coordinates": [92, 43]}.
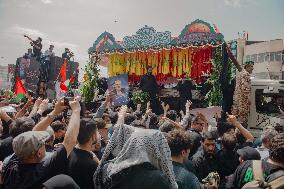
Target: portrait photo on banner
{"type": "Point", "coordinates": [118, 89]}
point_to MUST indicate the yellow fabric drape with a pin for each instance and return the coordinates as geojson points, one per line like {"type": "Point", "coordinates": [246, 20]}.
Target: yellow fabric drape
{"type": "Point", "coordinates": [135, 63]}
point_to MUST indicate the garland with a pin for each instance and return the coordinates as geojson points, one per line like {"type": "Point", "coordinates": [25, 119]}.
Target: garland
{"type": "Point", "coordinates": [90, 79]}
{"type": "Point", "coordinates": [214, 96]}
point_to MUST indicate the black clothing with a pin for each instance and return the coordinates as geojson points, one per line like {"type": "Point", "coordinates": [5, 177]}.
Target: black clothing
{"type": "Point", "coordinates": [228, 161]}
{"type": "Point", "coordinates": [196, 139]}
{"type": "Point", "coordinates": [6, 129]}
{"type": "Point", "coordinates": [244, 174]}
{"type": "Point", "coordinates": [185, 179]}
{"type": "Point", "coordinates": [184, 89]}
{"type": "Point", "coordinates": [49, 148]}
{"type": "Point", "coordinates": [6, 148]}
{"type": "Point", "coordinates": [149, 84]}
{"type": "Point", "coordinates": [81, 167]}
{"type": "Point", "coordinates": [44, 70]}
{"type": "Point", "coordinates": [139, 177]}
{"type": "Point", "coordinates": [31, 176]}
{"type": "Point", "coordinates": [66, 55]}
{"type": "Point", "coordinates": [36, 51]}
{"type": "Point", "coordinates": [61, 181]}
{"type": "Point", "coordinates": [189, 166]}
{"type": "Point", "coordinates": [204, 164]}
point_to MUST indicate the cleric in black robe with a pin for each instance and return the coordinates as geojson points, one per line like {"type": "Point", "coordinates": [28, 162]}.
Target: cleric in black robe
{"type": "Point", "coordinates": [149, 84]}
{"type": "Point", "coordinates": [184, 88]}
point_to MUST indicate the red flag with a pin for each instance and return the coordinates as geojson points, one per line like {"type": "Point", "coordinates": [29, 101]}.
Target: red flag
{"type": "Point", "coordinates": [62, 72]}
{"type": "Point", "coordinates": [19, 88]}
{"type": "Point", "coordinates": [63, 87]}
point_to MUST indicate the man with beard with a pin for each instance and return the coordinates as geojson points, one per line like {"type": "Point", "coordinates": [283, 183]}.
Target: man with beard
{"type": "Point", "coordinates": [82, 161]}
{"type": "Point", "coordinates": [204, 161]}
{"type": "Point", "coordinates": [149, 84]}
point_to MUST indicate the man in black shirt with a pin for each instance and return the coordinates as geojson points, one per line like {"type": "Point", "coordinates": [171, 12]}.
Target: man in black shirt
{"type": "Point", "coordinates": [82, 157]}
{"type": "Point", "coordinates": [149, 84]}
{"type": "Point", "coordinates": [274, 164]}
{"type": "Point", "coordinates": [37, 46]}
{"type": "Point", "coordinates": [180, 143]}
{"type": "Point", "coordinates": [205, 161]}
{"type": "Point", "coordinates": [228, 158]}
{"type": "Point", "coordinates": [67, 54]}
{"type": "Point", "coordinates": [184, 88]}
{"type": "Point", "coordinates": [25, 169]}
{"type": "Point", "coordinates": [196, 129]}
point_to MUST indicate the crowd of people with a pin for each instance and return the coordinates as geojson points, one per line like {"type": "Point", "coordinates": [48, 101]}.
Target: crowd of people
{"type": "Point", "coordinates": [54, 144]}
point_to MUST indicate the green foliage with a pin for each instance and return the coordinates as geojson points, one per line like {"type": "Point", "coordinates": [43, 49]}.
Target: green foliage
{"type": "Point", "coordinates": [141, 98]}
{"type": "Point", "coordinates": [214, 96]}
{"type": "Point", "coordinates": [91, 77]}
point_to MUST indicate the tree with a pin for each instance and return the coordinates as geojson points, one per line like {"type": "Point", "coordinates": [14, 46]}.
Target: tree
{"type": "Point", "coordinates": [91, 77]}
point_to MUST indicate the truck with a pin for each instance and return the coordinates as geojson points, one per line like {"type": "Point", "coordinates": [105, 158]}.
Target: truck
{"type": "Point", "coordinates": [266, 105]}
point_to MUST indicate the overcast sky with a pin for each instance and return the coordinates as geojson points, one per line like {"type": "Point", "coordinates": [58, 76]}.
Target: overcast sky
{"type": "Point", "coordinates": [77, 23]}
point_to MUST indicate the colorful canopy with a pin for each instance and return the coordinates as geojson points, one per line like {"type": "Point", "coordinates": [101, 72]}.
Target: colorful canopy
{"type": "Point", "coordinates": [188, 55]}
{"type": "Point", "coordinates": [196, 34]}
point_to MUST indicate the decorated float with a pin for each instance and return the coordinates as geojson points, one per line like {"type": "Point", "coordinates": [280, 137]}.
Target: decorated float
{"type": "Point", "coordinates": [195, 53]}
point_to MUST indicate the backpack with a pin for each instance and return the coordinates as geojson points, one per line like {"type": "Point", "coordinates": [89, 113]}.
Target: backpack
{"type": "Point", "coordinates": [273, 181]}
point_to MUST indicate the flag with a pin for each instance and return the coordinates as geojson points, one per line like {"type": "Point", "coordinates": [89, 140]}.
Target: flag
{"type": "Point", "coordinates": [20, 90]}
{"type": "Point", "coordinates": [71, 81]}
{"type": "Point", "coordinates": [62, 72]}
{"type": "Point", "coordinates": [63, 87]}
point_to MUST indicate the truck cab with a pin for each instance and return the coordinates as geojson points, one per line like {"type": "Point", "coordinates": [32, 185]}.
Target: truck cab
{"type": "Point", "coordinates": [266, 100]}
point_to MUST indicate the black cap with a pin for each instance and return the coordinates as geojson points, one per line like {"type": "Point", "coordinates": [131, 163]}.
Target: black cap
{"type": "Point", "coordinates": [248, 153]}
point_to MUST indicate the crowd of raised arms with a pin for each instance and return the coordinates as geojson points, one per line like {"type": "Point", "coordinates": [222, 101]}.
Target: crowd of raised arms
{"type": "Point", "coordinates": [44, 147]}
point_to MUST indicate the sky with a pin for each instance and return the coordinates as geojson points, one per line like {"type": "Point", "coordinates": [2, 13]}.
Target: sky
{"type": "Point", "coordinates": [77, 23]}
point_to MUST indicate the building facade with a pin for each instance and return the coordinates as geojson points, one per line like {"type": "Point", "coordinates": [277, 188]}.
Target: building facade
{"type": "Point", "coordinates": [268, 57]}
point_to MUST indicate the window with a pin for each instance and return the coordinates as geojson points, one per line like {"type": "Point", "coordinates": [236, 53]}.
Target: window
{"type": "Point", "coordinates": [272, 56]}
{"type": "Point", "coordinates": [260, 57]}
{"type": "Point", "coordinates": [278, 56]}
{"type": "Point", "coordinates": [268, 103]}
{"type": "Point", "coordinates": [248, 58]}
{"type": "Point", "coordinates": [254, 58]}
{"type": "Point", "coordinates": [266, 57]}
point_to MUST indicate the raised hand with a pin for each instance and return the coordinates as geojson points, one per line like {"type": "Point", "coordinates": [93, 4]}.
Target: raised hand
{"type": "Point", "coordinates": [59, 106]}
{"type": "Point", "coordinates": [232, 119]}
{"type": "Point", "coordinates": [121, 115]}
{"type": "Point", "coordinates": [43, 106]}
{"type": "Point", "coordinates": [75, 105]}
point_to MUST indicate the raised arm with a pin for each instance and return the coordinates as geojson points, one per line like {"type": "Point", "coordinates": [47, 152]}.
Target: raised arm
{"type": "Point", "coordinates": [72, 132]}
{"type": "Point", "coordinates": [22, 112]}
{"type": "Point", "coordinates": [43, 124]}
{"type": "Point", "coordinates": [121, 115]}
{"type": "Point", "coordinates": [186, 118]}
{"type": "Point", "coordinates": [35, 107]}
{"type": "Point", "coordinates": [234, 60]}
{"type": "Point", "coordinates": [233, 120]}
{"type": "Point", "coordinates": [102, 108]}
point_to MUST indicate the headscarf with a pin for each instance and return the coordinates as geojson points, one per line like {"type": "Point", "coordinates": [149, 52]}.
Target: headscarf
{"type": "Point", "coordinates": [61, 182]}
{"type": "Point", "coordinates": [134, 146]}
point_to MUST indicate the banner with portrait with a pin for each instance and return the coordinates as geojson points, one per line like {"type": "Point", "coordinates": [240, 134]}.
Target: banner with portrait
{"type": "Point", "coordinates": [118, 89]}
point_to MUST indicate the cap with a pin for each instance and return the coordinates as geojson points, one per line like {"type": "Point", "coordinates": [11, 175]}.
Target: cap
{"type": "Point", "coordinates": [248, 153]}
{"type": "Point", "coordinates": [29, 142]}
{"type": "Point", "coordinates": [248, 62]}
{"type": "Point", "coordinates": [61, 181]}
